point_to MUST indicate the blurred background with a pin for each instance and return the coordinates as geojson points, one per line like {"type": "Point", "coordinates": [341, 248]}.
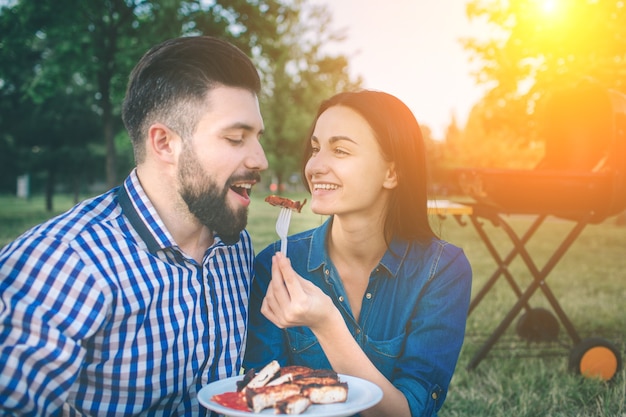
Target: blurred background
{"type": "Point", "coordinates": [475, 73]}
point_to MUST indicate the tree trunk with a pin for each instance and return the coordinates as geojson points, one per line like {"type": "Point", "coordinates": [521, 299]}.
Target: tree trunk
{"type": "Point", "coordinates": [50, 190]}
{"type": "Point", "coordinates": [76, 186]}
{"type": "Point", "coordinates": [109, 138]}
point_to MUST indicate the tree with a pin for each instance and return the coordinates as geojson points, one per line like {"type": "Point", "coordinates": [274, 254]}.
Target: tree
{"type": "Point", "coordinates": [299, 76]}
{"type": "Point", "coordinates": [55, 49]}
{"type": "Point", "coordinates": [483, 143]}
{"type": "Point", "coordinates": [538, 47]}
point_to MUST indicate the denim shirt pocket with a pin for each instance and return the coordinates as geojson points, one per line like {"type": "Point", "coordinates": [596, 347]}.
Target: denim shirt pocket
{"type": "Point", "coordinates": [305, 349]}
{"type": "Point", "coordinates": [384, 353]}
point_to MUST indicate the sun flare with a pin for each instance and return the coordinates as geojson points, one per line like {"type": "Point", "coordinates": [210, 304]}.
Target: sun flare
{"type": "Point", "coordinates": [549, 6]}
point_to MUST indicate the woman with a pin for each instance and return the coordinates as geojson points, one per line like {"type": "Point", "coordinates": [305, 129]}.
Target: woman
{"type": "Point", "coordinates": [372, 293]}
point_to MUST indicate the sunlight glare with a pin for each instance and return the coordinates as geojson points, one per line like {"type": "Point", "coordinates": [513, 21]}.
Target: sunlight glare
{"type": "Point", "coordinates": [549, 6]}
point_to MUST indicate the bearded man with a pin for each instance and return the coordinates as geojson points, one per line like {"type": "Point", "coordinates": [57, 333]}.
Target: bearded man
{"type": "Point", "coordinates": [133, 300]}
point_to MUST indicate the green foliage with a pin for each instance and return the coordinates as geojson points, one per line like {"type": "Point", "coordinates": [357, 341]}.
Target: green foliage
{"type": "Point", "coordinates": [494, 141]}
{"type": "Point", "coordinates": [299, 77]}
{"type": "Point", "coordinates": [534, 48]}
{"type": "Point", "coordinates": [64, 67]}
{"type": "Point", "coordinates": [63, 75]}
{"type": "Point", "coordinates": [549, 44]}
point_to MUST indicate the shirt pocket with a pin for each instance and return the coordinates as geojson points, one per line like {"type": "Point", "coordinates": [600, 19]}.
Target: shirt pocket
{"type": "Point", "coordinates": [384, 353]}
{"type": "Point", "coordinates": [305, 349]}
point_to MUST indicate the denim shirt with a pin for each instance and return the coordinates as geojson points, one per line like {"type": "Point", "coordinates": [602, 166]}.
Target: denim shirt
{"type": "Point", "coordinates": [412, 320]}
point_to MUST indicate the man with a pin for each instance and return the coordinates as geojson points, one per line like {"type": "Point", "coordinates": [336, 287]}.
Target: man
{"type": "Point", "coordinates": [133, 300]}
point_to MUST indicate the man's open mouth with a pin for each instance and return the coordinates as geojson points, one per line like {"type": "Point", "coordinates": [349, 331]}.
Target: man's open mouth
{"type": "Point", "coordinates": [242, 188]}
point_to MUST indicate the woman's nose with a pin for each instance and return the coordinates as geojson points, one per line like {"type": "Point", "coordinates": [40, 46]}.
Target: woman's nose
{"type": "Point", "coordinates": [316, 165]}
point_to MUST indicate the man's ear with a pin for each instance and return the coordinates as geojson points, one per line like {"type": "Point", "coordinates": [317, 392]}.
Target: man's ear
{"type": "Point", "coordinates": [163, 143]}
{"type": "Point", "coordinates": [391, 178]}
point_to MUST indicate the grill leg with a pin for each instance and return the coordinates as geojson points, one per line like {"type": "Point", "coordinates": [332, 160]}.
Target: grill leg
{"type": "Point", "coordinates": [502, 263]}
{"type": "Point", "coordinates": [539, 277]}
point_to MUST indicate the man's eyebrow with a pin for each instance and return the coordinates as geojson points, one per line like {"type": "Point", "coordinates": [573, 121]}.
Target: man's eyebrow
{"type": "Point", "coordinates": [243, 126]}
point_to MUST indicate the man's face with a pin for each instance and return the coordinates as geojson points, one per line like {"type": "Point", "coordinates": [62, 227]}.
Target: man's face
{"type": "Point", "coordinates": [222, 161]}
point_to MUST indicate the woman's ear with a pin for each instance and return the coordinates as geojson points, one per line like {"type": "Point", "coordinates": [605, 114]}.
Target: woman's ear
{"type": "Point", "coordinates": [391, 178]}
{"type": "Point", "coordinates": [163, 143]}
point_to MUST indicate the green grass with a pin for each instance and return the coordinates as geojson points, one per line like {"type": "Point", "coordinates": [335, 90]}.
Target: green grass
{"type": "Point", "coordinates": [17, 215]}
{"type": "Point", "coordinates": [262, 220]}
{"type": "Point", "coordinates": [516, 378]}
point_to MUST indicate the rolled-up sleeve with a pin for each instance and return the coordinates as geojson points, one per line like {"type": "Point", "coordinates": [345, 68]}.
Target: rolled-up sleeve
{"type": "Point", "coordinates": [436, 334]}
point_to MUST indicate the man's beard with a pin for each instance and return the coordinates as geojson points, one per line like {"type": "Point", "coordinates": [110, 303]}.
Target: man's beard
{"type": "Point", "coordinates": [207, 202]}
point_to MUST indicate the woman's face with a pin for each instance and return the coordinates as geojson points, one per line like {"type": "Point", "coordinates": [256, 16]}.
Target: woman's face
{"type": "Point", "coordinates": [346, 171]}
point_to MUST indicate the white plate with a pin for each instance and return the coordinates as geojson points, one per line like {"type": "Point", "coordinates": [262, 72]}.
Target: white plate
{"type": "Point", "coordinates": [362, 395]}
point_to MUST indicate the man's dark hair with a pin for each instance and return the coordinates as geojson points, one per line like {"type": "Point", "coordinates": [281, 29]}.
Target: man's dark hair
{"type": "Point", "coordinates": [171, 81]}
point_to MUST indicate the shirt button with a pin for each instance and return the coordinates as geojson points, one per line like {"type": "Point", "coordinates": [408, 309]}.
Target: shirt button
{"type": "Point", "coordinates": [341, 298]}
{"type": "Point", "coordinates": [434, 395]}
{"type": "Point", "coordinates": [326, 271]}
{"type": "Point", "coordinates": [358, 331]}
{"type": "Point", "coordinates": [368, 295]}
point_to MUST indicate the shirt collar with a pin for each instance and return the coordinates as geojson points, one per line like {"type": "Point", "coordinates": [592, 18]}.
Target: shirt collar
{"type": "Point", "coordinates": [318, 254]}
{"type": "Point", "coordinates": [317, 250]}
{"type": "Point", "coordinates": [394, 256]}
{"type": "Point", "coordinates": [142, 215]}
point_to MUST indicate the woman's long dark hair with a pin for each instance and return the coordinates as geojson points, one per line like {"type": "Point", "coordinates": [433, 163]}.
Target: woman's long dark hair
{"type": "Point", "coordinates": [400, 138]}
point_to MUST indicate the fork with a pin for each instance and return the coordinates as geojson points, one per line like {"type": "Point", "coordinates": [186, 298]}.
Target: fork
{"type": "Point", "coordinates": [282, 227]}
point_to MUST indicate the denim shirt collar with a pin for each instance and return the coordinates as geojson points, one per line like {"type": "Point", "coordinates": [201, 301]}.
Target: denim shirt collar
{"type": "Point", "coordinates": [318, 254]}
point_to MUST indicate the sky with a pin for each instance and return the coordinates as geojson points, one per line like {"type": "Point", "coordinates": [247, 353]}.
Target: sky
{"type": "Point", "coordinates": [411, 49]}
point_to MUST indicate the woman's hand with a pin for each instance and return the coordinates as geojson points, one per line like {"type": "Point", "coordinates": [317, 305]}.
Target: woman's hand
{"type": "Point", "coordinates": [292, 300]}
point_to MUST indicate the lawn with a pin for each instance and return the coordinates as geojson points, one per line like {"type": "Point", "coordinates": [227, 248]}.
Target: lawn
{"type": "Point", "coordinates": [517, 378]}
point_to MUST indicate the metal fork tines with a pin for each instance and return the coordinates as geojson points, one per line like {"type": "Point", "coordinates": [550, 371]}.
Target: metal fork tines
{"type": "Point", "coordinates": [282, 227]}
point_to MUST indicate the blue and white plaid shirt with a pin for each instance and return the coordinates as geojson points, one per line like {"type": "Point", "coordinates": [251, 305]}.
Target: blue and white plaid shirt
{"type": "Point", "coordinates": [102, 313]}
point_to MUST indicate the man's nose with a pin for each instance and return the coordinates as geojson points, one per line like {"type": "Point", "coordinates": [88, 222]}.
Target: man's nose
{"type": "Point", "coordinates": [257, 159]}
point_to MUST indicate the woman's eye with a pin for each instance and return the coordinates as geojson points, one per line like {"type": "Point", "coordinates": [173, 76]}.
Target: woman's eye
{"type": "Point", "coordinates": [314, 150]}
{"type": "Point", "coordinates": [341, 151]}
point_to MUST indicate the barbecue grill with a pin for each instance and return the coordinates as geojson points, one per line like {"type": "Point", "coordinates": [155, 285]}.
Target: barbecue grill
{"type": "Point", "coordinates": [582, 179]}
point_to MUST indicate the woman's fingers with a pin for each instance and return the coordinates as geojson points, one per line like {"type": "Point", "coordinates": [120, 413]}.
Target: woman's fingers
{"type": "Point", "coordinates": [269, 310]}
{"type": "Point", "coordinates": [286, 303]}
{"type": "Point", "coordinates": [277, 284]}
{"type": "Point", "coordinates": [292, 300]}
{"type": "Point", "coordinates": [278, 305]}
{"type": "Point", "coordinates": [290, 279]}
